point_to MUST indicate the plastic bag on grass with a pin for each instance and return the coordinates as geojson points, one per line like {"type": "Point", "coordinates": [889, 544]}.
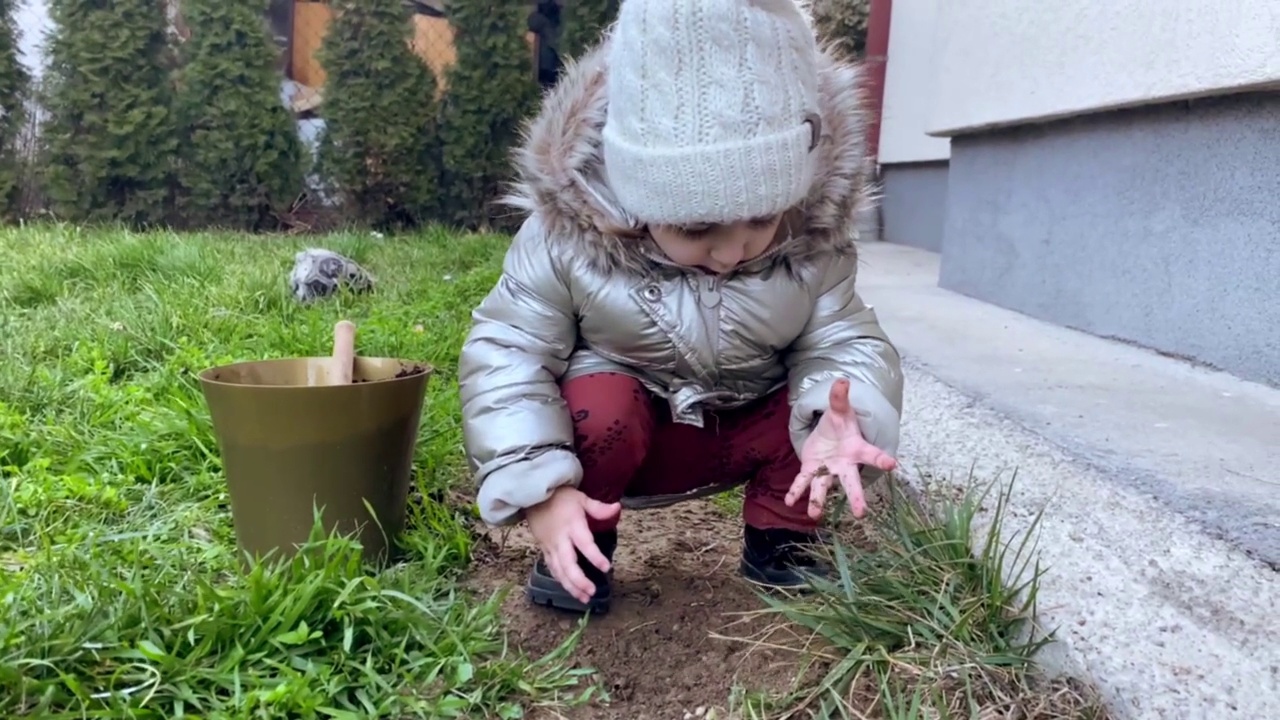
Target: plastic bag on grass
{"type": "Point", "coordinates": [318, 273]}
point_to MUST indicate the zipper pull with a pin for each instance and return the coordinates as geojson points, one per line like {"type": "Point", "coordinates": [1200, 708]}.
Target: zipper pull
{"type": "Point", "coordinates": [710, 295]}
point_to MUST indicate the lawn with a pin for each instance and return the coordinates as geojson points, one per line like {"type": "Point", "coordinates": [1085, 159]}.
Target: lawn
{"type": "Point", "coordinates": [122, 596]}
{"type": "Point", "coordinates": [120, 591]}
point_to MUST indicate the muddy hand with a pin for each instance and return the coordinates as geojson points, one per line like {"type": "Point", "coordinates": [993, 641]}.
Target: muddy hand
{"type": "Point", "coordinates": [836, 450]}
{"type": "Point", "coordinates": [560, 526]}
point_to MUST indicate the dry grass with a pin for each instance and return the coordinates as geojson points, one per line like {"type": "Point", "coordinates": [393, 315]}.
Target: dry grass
{"type": "Point", "coordinates": [919, 622]}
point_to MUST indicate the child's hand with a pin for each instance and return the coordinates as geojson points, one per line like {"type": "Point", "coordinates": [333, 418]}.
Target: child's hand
{"type": "Point", "coordinates": [559, 524]}
{"type": "Point", "coordinates": [836, 448]}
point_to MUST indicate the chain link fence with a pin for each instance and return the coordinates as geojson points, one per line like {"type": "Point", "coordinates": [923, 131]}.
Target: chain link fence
{"type": "Point", "coordinates": [31, 201]}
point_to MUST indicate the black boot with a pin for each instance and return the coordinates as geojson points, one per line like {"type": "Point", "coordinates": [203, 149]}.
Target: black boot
{"type": "Point", "coordinates": [780, 558]}
{"type": "Point", "coordinates": [543, 589]}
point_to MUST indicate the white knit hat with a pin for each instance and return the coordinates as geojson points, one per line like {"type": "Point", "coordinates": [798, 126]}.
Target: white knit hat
{"type": "Point", "coordinates": [712, 109]}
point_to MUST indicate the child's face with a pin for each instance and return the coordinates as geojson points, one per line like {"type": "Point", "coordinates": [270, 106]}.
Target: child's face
{"type": "Point", "coordinates": [716, 248]}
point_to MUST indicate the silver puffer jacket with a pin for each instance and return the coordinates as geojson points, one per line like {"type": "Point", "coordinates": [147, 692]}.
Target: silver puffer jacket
{"type": "Point", "coordinates": [575, 299]}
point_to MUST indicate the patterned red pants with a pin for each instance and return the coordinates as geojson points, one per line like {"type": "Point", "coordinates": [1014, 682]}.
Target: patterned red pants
{"type": "Point", "coordinates": [628, 444]}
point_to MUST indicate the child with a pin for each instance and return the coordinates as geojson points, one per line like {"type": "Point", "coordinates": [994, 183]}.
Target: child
{"type": "Point", "coordinates": [677, 315]}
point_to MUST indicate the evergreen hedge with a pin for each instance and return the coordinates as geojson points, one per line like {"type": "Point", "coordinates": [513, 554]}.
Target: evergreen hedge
{"type": "Point", "coordinates": [491, 90]}
{"type": "Point", "coordinates": [14, 85]}
{"type": "Point", "coordinates": [843, 23]}
{"type": "Point", "coordinates": [584, 23]}
{"type": "Point", "coordinates": [111, 136]}
{"type": "Point", "coordinates": [380, 147]}
{"type": "Point", "coordinates": [242, 159]}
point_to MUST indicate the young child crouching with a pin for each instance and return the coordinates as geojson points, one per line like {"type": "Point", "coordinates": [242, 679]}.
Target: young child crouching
{"type": "Point", "coordinates": [677, 316]}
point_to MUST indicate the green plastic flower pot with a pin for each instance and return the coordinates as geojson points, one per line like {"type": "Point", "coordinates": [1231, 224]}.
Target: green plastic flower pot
{"type": "Point", "coordinates": [293, 445]}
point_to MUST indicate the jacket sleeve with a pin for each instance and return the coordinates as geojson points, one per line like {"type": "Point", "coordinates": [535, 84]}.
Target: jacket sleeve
{"type": "Point", "coordinates": [843, 339]}
{"type": "Point", "coordinates": [516, 428]}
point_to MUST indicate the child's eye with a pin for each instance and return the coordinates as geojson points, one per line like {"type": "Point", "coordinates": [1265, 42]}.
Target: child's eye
{"type": "Point", "coordinates": [762, 223]}
{"type": "Point", "coordinates": [696, 231]}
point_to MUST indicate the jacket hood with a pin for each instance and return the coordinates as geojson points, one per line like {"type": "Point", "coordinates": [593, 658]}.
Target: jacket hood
{"type": "Point", "coordinates": [560, 178]}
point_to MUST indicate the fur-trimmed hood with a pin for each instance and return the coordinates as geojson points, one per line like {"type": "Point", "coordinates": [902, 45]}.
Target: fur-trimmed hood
{"type": "Point", "coordinates": [560, 176]}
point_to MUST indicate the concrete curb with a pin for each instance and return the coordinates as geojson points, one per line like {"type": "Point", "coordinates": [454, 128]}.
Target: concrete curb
{"type": "Point", "coordinates": [1157, 480]}
{"type": "Point", "coordinates": [1164, 620]}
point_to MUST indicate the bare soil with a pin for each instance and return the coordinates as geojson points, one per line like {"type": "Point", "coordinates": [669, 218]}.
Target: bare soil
{"type": "Point", "coordinates": [403, 373]}
{"type": "Point", "coordinates": [676, 586]}
{"type": "Point", "coordinates": [685, 631]}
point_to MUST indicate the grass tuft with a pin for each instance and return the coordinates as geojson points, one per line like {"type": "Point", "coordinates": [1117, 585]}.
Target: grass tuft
{"type": "Point", "coordinates": [927, 625]}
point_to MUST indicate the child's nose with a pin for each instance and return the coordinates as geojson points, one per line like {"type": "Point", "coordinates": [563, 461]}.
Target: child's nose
{"type": "Point", "coordinates": [727, 256]}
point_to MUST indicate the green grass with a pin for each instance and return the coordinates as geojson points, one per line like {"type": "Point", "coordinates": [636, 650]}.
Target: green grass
{"type": "Point", "coordinates": [120, 590]}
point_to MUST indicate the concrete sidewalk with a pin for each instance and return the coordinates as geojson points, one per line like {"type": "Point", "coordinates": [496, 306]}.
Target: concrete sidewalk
{"type": "Point", "coordinates": [1161, 483]}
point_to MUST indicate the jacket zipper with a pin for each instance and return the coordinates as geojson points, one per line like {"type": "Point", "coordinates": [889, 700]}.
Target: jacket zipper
{"type": "Point", "coordinates": [709, 302]}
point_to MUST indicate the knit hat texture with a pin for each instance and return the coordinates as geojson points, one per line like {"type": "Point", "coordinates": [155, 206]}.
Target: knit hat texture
{"type": "Point", "coordinates": [712, 109]}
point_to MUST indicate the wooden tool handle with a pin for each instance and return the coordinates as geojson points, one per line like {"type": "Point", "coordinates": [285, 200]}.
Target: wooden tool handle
{"type": "Point", "coordinates": [344, 353]}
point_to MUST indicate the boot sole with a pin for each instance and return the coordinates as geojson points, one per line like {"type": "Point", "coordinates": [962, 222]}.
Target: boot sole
{"type": "Point", "coordinates": [789, 580]}
{"type": "Point", "coordinates": [766, 579]}
{"type": "Point", "coordinates": [545, 591]}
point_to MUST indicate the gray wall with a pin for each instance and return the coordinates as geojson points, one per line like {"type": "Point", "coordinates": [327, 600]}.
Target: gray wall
{"type": "Point", "coordinates": [1159, 226]}
{"type": "Point", "coordinates": [913, 203]}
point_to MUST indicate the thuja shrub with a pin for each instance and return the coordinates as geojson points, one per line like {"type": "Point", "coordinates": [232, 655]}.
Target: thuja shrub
{"type": "Point", "coordinates": [242, 158]}
{"type": "Point", "coordinates": [491, 90]}
{"type": "Point", "coordinates": [14, 84]}
{"type": "Point", "coordinates": [111, 136]}
{"type": "Point", "coordinates": [380, 146]}
{"type": "Point", "coordinates": [584, 23]}
{"type": "Point", "coordinates": [843, 24]}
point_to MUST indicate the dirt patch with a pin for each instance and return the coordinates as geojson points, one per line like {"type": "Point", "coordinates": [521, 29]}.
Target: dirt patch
{"type": "Point", "coordinates": [675, 587]}
{"type": "Point", "coordinates": [410, 372]}
{"type": "Point", "coordinates": [685, 634]}
{"type": "Point", "coordinates": [403, 373]}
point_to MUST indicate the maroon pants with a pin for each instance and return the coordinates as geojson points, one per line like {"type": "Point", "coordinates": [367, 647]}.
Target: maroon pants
{"type": "Point", "coordinates": [628, 444]}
